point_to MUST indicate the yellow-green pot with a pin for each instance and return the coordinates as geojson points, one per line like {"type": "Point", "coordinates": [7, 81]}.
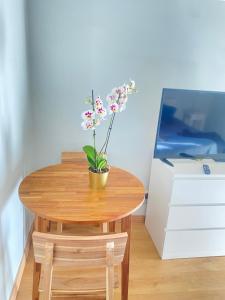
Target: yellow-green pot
{"type": "Point", "coordinates": [98, 181]}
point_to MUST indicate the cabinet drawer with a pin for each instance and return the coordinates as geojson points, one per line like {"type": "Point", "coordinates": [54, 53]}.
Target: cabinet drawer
{"type": "Point", "coordinates": [194, 243]}
{"type": "Point", "coordinates": [198, 191]}
{"type": "Point", "coordinates": [192, 217]}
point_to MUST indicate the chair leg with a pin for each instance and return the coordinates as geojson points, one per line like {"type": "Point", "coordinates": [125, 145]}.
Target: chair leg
{"type": "Point", "coordinates": [36, 280]}
{"type": "Point", "coordinates": [125, 227]}
{"type": "Point", "coordinates": [37, 267]}
{"type": "Point", "coordinates": [47, 272]}
{"type": "Point", "coordinates": [109, 271]}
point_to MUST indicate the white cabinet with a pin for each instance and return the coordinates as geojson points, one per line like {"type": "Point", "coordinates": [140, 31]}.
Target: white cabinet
{"type": "Point", "coordinates": [186, 209]}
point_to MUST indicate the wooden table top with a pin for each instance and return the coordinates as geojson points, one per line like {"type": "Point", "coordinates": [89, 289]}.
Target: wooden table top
{"type": "Point", "coordinates": [61, 193]}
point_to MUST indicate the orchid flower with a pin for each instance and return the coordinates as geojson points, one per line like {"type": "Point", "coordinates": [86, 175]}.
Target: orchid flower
{"type": "Point", "coordinates": [88, 115]}
{"type": "Point", "coordinates": [113, 97]}
{"type": "Point", "coordinates": [118, 98]}
{"type": "Point", "coordinates": [131, 87]}
{"type": "Point", "coordinates": [101, 112]}
{"type": "Point", "coordinates": [113, 108]}
{"type": "Point", "coordinates": [98, 103]}
{"type": "Point", "coordinates": [88, 124]}
{"type": "Point", "coordinates": [93, 117]}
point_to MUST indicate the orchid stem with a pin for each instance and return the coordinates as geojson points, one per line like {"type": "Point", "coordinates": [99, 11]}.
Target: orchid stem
{"type": "Point", "coordinates": [105, 145]}
{"type": "Point", "coordinates": [94, 133]}
{"type": "Point", "coordinates": [109, 133]}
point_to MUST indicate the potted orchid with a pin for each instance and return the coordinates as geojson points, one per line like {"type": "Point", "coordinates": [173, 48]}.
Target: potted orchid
{"type": "Point", "coordinates": [91, 119]}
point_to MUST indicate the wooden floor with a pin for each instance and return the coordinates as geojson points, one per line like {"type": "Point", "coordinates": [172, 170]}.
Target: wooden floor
{"type": "Point", "coordinates": [154, 279]}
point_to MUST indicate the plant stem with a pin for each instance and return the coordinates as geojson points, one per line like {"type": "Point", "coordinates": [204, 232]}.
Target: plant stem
{"type": "Point", "coordinates": [105, 145]}
{"type": "Point", "coordinates": [94, 133]}
{"type": "Point", "coordinates": [110, 129]}
{"type": "Point", "coordinates": [106, 135]}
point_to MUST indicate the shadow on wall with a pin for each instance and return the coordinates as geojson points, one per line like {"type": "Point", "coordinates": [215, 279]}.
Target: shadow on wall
{"type": "Point", "coordinates": [4, 157]}
{"type": "Point", "coordinates": [11, 162]}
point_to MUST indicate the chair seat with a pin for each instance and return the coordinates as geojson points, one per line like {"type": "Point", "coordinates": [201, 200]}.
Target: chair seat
{"type": "Point", "coordinates": [67, 281]}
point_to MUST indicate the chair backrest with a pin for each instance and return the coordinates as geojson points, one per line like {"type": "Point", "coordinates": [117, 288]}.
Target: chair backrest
{"type": "Point", "coordinates": [80, 250]}
{"type": "Point", "coordinates": [71, 157]}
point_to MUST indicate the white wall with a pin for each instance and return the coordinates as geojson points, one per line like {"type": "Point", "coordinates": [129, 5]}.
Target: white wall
{"type": "Point", "coordinates": [79, 45]}
{"type": "Point", "coordinates": [14, 140]}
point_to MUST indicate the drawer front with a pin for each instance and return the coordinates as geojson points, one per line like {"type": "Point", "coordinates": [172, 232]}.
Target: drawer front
{"type": "Point", "coordinates": [196, 217]}
{"type": "Point", "coordinates": [189, 191]}
{"type": "Point", "coordinates": [194, 243]}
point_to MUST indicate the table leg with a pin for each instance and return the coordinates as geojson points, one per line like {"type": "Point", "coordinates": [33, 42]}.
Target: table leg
{"type": "Point", "coordinates": [112, 226]}
{"type": "Point", "coordinates": [125, 227]}
{"type": "Point", "coordinates": [37, 267]}
{"type": "Point", "coordinates": [45, 225]}
{"type": "Point", "coordinates": [48, 226]}
{"type": "Point", "coordinates": [105, 227]}
{"type": "Point", "coordinates": [59, 227]}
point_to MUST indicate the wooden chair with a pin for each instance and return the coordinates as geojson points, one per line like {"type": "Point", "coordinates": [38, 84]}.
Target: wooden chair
{"type": "Point", "coordinates": [80, 253]}
{"type": "Point", "coordinates": [71, 157]}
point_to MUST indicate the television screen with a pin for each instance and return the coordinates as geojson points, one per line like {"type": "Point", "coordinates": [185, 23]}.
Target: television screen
{"type": "Point", "coordinates": [191, 124]}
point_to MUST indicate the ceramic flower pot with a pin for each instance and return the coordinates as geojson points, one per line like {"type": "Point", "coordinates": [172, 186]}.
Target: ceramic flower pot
{"type": "Point", "coordinates": [98, 181]}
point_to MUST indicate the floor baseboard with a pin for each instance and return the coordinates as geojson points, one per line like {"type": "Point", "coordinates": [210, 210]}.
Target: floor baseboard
{"type": "Point", "coordinates": [19, 275]}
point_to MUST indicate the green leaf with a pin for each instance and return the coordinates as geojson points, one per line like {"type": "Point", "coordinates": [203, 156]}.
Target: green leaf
{"type": "Point", "coordinates": [95, 160]}
{"type": "Point", "coordinates": [102, 156]}
{"type": "Point", "coordinates": [90, 151]}
{"type": "Point", "coordinates": [91, 155]}
{"type": "Point", "coordinates": [102, 164]}
{"type": "Point", "coordinates": [91, 163]}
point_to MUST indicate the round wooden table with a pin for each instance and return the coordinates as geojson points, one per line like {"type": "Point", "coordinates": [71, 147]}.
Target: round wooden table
{"type": "Point", "coordinates": [61, 193]}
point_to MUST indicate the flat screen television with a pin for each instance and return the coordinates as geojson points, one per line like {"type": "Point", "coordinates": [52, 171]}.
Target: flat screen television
{"type": "Point", "coordinates": [191, 125]}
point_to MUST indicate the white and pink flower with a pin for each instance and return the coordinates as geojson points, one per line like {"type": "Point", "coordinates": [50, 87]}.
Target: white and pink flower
{"type": "Point", "coordinates": [113, 108]}
{"type": "Point", "coordinates": [88, 115]}
{"type": "Point", "coordinates": [88, 124]}
{"type": "Point", "coordinates": [117, 100]}
{"type": "Point", "coordinates": [131, 87]}
{"type": "Point", "coordinates": [123, 99]}
{"type": "Point", "coordinates": [122, 90]}
{"type": "Point", "coordinates": [111, 98]}
{"type": "Point", "coordinates": [117, 90]}
{"type": "Point", "coordinates": [101, 112]}
{"type": "Point", "coordinates": [98, 103]}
